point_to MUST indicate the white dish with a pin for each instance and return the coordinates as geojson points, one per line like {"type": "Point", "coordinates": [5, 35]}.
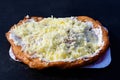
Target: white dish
{"type": "Point", "coordinates": [103, 62]}
{"type": "Point", "coordinates": [12, 55]}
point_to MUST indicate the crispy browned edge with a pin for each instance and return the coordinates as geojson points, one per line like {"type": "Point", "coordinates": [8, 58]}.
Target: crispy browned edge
{"type": "Point", "coordinates": [37, 64]}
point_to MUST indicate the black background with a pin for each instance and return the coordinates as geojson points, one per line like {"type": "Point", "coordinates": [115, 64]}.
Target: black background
{"type": "Point", "coordinates": [106, 11]}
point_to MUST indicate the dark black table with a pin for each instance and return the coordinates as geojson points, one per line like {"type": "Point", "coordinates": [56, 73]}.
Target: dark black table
{"type": "Point", "coordinates": [106, 11]}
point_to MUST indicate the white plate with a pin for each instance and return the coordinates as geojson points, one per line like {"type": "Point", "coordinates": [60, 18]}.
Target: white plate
{"type": "Point", "coordinates": [12, 55]}
{"type": "Point", "coordinates": [103, 62]}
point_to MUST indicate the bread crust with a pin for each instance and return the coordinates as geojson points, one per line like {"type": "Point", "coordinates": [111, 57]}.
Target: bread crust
{"type": "Point", "coordinates": [38, 64]}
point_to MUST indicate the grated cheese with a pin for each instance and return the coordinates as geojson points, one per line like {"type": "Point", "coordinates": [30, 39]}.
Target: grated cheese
{"type": "Point", "coordinates": [57, 39]}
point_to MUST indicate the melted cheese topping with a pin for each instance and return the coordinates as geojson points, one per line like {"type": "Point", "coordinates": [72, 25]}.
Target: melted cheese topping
{"type": "Point", "coordinates": [58, 39]}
